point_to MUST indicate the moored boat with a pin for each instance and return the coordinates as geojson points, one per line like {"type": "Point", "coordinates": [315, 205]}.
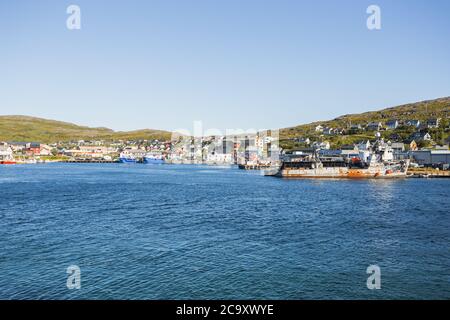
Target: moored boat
{"type": "Point", "coordinates": [8, 162]}
{"type": "Point", "coordinates": [127, 158]}
{"type": "Point", "coordinates": [152, 158]}
{"type": "Point", "coordinates": [379, 163]}
{"type": "Point", "coordinates": [6, 155]}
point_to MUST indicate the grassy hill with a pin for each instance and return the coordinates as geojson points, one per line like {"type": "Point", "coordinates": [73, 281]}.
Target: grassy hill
{"type": "Point", "coordinates": [438, 108]}
{"type": "Point", "coordinates": [24, 128]}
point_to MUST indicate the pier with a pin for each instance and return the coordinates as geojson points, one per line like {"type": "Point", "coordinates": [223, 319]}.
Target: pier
{"type": "Point", "coordinates": [89, 161]}
{"type": "Point", "coordinates": [254, 166]}
{"type": "Point", "coordinates": [428, 173]}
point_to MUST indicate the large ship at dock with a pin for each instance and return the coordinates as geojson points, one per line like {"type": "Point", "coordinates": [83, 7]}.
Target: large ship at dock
{"type": "Point", "coordinates": [376, 162]}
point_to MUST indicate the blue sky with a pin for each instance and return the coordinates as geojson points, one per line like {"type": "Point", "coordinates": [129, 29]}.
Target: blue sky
{"type": "Point", "coordinates": [229, 63]}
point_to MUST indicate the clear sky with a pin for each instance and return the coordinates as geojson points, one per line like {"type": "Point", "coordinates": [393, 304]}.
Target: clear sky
{"type": "Point", "coordinates": [229, 63]}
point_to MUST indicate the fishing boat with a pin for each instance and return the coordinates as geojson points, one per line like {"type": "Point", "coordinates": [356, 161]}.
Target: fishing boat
{"type": "Point", "coordinates": [154, 158]}
{"type": "Point", "coordinates": [378, 162]}
{"type": "Point", "coordinates": [6, 155]}
{"type": "Point", "coordinates": [126, 157]}
{"type": "Point", "coordinates": [8, 162]}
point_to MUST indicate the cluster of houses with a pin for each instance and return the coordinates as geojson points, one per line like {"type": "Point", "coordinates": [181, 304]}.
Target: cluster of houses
{"type": "Point", "coordinates": [29, 149]}
{"type": "Point", "coordinates": [257, 148]}
{"type": "Point", "coordinates": [251, 148]}
{"type": "Point", "coordinates": [379, 126]}
{"type": "Point", "coordinates": [9, 151]}
{"type": "Point", "coordinates": [403, 148]}
{"type": "Point", "coordinates": [26, 151]}
{"type": "Point", "coordinates": [111, 151]}
{"type": "Point", "coordinates": [439, 156]}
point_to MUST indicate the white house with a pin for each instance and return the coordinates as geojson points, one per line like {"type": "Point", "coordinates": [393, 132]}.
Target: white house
{"type": "Point", "coordinates": [321, 145]}
{"type": "Point", "coordinates": [303, 140]}
{"type": "Point", "coordinates": [375, 126]}
{"type": "Point", "coordinates": [398, 146]}
{"type": "Point", "coordinates": [364, 145]}
{"type": "Point", "coordinates": [433, 123]}
{"type": "Point", "coordinates": [18, 146]}
{"type": "Point", "coordinates": [46, 150]}
{"type": "Point", "coordinates": [6, 153]}
{"type": "Point", "coordinates": [392, 124]}
{"type": "Point", "coordinates": [421, 136]}
{"type": "Point", "coordinates": [355, 127]}
{"type": "Point", "coordinates": [328, 131]}
{"type": "Point", "coordinates": [413, 123]}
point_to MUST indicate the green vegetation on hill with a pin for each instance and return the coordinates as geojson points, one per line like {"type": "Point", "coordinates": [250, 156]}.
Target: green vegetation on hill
{"type": "Point", "coordinates": [424, 110]}
{"type": "Point", "coordinates": [23, 128]}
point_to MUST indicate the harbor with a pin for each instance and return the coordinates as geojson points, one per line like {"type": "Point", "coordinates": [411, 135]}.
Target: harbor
{"type": "Point", "coordinates": [393, 148]}
{"type": "Point", "coordinates": [377, 159]}
{"type": "Point", "coordinates": [89, 161]}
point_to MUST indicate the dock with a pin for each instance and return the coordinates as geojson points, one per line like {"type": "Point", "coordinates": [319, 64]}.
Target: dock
{"type": "Point", "coordinates": [428, 173]}
{"type": "Point", "coordinates": [254, 166]}
{"type": "Point", "coordinates": [89, 161]}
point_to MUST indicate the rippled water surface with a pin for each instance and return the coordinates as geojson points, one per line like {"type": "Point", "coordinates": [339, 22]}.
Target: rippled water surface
{"type": "Point", "coordinates": [197, 232]}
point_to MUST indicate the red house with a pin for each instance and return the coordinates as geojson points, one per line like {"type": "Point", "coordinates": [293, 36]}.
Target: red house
{"type": "Point", "coordinates": [33, 149]}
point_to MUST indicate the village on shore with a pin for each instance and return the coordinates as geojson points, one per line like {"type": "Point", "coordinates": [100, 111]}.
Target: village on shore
{"type": "Point", "coordinates": [249, 150]}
